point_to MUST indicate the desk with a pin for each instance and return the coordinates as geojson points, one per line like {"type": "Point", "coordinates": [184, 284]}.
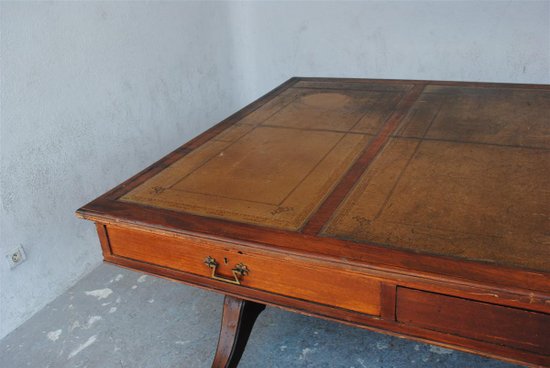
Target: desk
{"type": "Point", "coordinates": [415, 208]}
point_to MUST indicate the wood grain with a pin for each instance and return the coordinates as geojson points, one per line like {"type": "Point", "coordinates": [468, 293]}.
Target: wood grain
{"type": "Point", "coordinates": [238, 318]}
{"type": "Point", "coordinates": [344, 316]}
{"type": "Point", "coordinates": [480, 321]}
{"type": "Point", "coordinates": [103, 239]}
{"type": "Point", "coordinates": [267, 271]}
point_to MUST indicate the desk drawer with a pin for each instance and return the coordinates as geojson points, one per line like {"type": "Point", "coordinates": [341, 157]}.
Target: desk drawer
{"type": "Point", "coordinates": [267, 271]}
{"type": "Point", "coordinates": [492, 323]}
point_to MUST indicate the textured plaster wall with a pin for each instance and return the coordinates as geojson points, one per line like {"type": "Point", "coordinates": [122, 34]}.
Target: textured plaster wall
{"type": "Point", "coordinates": [494, 41]}
{"type": "Point", "coordinates": [93, 92]}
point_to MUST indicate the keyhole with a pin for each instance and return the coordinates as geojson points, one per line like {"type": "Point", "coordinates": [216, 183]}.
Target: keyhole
{"type": "Point", "coordinates": [225, 260]}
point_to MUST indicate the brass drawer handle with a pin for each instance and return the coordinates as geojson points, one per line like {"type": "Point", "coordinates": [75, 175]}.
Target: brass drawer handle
{"type": "Point", "coordinates": [240, 270]}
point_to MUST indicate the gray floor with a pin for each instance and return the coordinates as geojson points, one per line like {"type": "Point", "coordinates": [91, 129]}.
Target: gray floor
{"type": "Point", "coordinates": [115, 318]}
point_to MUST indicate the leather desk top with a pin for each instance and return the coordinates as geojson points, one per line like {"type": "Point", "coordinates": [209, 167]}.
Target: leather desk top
{"type": "Point", "coordinates": [416, 175]}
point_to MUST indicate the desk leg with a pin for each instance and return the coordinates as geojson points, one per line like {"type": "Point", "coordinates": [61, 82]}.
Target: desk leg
{"type": "Point", "coordinates": [237, 321]}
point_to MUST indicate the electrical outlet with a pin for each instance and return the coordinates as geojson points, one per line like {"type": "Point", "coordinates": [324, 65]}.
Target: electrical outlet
{"type": "Point", "coordinates": [16, 257]}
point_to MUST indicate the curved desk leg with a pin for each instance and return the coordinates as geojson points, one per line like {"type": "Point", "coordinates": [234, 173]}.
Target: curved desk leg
{"type": "Point", "coordinates": [237, 321]}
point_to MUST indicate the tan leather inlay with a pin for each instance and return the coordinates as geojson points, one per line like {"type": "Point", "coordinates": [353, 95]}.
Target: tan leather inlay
{"type": "Point", "coordinates": [468, 177]}
{"type": "Point", "coordinates": [480, 202]}
{"type": "Point", "coordinates": [277, 164]}
{"type": "Point", "coordinates": [338, 110]}
{"type": "Point", "coordinates": [512, 117]}
{"type": "Point", "coordinates": [271, 176]}
{"type": "Point", "coordinates": [263, 167]}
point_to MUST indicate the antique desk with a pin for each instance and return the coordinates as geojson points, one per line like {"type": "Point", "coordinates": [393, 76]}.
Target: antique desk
{"type": "Point", "coordinates": [417, 208]}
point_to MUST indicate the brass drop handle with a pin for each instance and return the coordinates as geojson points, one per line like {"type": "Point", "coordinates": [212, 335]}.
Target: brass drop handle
{"type": "Point", "coordinates": [240, 270]}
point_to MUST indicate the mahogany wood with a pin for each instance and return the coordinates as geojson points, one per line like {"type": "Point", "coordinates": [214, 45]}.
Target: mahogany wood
{"type": "Point", "coordinates": [237, 321]}
{"type": "Point", "coordinates": [417, 208]}
{"type": "Point", "coordinates": [492, 323]}
{"type": "Point", "coordinates": [103, 239]}
{"type": "Point", "coordinates": [347, 317]}
{"type": "Point", "coordinates": [299, 278]}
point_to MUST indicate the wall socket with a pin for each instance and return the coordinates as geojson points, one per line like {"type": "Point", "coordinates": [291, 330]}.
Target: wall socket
{"type": "Point", "coordinates": [16, 257]}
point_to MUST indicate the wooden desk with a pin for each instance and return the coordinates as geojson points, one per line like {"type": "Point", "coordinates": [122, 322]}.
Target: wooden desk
{"type": "Point", "coordinates": [415, 208]}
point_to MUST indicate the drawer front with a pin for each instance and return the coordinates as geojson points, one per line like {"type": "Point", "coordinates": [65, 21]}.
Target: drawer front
{"type": "Point", "coordinates": [267, 271]}
{"type": "Point", "coordinates": [517, 328]}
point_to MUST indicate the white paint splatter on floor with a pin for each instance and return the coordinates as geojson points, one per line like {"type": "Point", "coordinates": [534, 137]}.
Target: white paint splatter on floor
{"type": "Point", "coordinates": [112, 310]}
{"type": "Point", "coordinates": [440, 351]}
{"type": "Point", "coordinates": [100, 293]}
{"type": "Point", "coordinates": [150, 301]}
{"type": "Point", "coordinates": [362, 362]}
{"type": "Point", "coordinates": [134, 287]}
{"type": "Point", "coordinates": [117, 278]}
{"type": "Point", "coordinates": [91, 321]}
{"type": "Point", "coordinates": [81, 347]}
{"type": "Point", "coordinates": [305, 353]}
{"type": "Point", "coordinates": [74, 325]}
{"type": "Point", "coordinates": [142, 278]}
{"type": "Point", "coordinates": [54, 335]}
{"type": "Point", "coordinates": [381, 345]}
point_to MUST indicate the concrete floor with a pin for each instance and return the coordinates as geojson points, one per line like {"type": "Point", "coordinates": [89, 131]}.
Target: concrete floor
{"type": "Point", "coordinates": [115, 318]}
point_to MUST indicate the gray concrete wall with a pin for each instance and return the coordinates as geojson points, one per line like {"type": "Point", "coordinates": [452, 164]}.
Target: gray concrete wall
{"type": "Point", "coordinates": [93, 92]}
